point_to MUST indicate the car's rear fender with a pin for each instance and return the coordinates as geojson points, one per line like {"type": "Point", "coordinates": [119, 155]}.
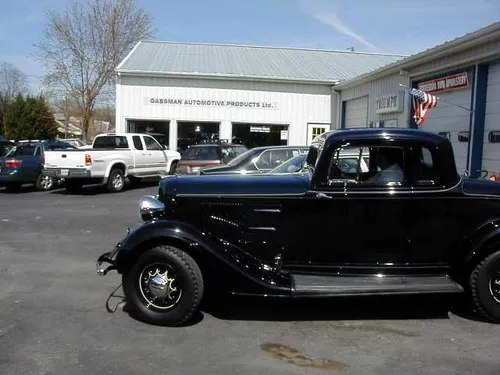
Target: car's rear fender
{"type": "Point", "coordinates": [216, 255]}
{"type": "Point", "coordinates": [483, 241]}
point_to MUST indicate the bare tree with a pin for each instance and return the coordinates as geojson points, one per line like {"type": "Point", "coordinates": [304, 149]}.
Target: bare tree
{"type": "Point", "coordinates": [12, 80]}
{"type": "Point", "coordinates": [82, 46]}
{"type": "Point", "coordinates": [12, 83]}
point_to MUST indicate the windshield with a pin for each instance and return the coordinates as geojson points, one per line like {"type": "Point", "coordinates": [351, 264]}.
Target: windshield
{"type": "Point", "coordinates": [112, 141]}
{"type": "Point", "coordinates": [28, 150]}
{"type": "Point", "coordinates": [242, 157]}
{"type": "Point", "coordinates": [292, 165]}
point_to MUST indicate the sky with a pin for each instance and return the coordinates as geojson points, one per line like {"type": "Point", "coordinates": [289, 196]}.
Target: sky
{"type": "Point", "coordinates": [385, 26]}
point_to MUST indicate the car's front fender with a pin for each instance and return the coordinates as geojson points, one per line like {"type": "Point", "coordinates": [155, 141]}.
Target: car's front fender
{"type": "Point", "coordinates": [195, 243]}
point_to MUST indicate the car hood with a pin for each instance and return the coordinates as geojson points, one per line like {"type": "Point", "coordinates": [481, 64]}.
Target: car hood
{"type": "Point", "coordinates": [235, 184]}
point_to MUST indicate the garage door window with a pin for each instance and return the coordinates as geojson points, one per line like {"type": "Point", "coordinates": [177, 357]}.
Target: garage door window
{"type": "Point", "coordinates": [494, 136]}
{"type": "Point", "coordinates": [445, 134]}
{"type": "Point", "coordinates": [463, 136]}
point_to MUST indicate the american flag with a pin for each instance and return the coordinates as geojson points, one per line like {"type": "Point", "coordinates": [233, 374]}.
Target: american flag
{"type": "Point", "coordinates": [422, 104]}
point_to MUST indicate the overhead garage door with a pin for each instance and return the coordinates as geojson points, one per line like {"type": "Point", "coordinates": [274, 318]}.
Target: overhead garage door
{"type": "Point", "coordinates": [491, 148]}
{"type": "Point", "coordinates": [452, 121]}
{"type": "Point", "coordinates": [356, 113]}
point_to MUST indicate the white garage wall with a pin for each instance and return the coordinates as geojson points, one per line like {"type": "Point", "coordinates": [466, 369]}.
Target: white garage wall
{"type": "Point", "coordinates": [377, 88]}
{"type": "Point", "coordinates": [491, 151]}
{"type": "Point", "coordinates": [448, 117]}
{"type": "Point", "coordinates": [295, 105]}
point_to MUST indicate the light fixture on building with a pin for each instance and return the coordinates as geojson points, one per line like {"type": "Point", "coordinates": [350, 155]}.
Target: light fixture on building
{"type": "Point", "coordinates": [197, 129]}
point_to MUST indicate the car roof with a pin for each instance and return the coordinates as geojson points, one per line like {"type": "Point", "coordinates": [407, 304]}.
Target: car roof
{"type": "Point", "coordinates": [400, 133]}
{"type": "Point", "coordinates": [215, 145]}
{"type": "Point", "coordinates": [281, 147]}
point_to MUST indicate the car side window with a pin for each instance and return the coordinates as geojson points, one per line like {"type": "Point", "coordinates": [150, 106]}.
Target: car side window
{"type": "Point", "coordinates": [264, 161]}
{"type": "Point", "coordinates": [425, 173]}
{"type": "Point", "coordinates": [38, 151]}
{"type": "Point", "coordinates": [151, 144]}
{"type": "Point", "coordinates": [137, 142]}
{"type": "Point", "coordinates": [367, 166]}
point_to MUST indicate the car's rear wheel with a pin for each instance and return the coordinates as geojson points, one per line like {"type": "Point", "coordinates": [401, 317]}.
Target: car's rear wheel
{"type": "Point", "coordinates": [164, 286]}
{"type": "Point", "coordinates": [44, 183]}
{"type": "Point", "coordinates": [485, 287]}
{"type": "Point", "coordinates": [116, 180]}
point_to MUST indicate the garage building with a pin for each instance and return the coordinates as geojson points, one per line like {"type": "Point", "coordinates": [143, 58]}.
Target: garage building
{"type": "Point", "coordinates": [253, 95]}
{"type": "Point", "coordinates": [463, 73]}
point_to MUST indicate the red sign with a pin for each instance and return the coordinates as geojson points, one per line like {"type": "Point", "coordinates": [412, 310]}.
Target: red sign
{"type": "Point", "coordinates": [453, 82]}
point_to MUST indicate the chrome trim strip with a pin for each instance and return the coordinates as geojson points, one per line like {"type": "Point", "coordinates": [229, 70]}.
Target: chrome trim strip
{"type": "Point", "coordinates": [263, 228]}
{"type": "Point", "coordinates": [267, 210]}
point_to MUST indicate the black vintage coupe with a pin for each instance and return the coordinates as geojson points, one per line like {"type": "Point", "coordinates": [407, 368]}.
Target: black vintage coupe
{"type": "Point", "coordinates": [400, 220]}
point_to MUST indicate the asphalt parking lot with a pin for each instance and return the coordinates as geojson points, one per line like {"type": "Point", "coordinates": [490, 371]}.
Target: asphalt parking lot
{"type": "Point", "coordinates": [53, 316]}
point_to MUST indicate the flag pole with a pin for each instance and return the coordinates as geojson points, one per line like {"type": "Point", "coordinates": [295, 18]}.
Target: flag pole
{"type": "Point", "coordinates": [442, 100]}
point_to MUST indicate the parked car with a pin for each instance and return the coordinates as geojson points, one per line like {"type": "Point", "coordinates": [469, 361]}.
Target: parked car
{"type": "Point", "coordinates": [201, 155]}
{"type": "Point", "coordinates": [75, 142]}
{"type": "Point", "coordinates": [257, 160]}
{"type": "Point", "coordinates": [23, 164]}
{"type": "Point", "coordinates": [112, 158]}
{"type": "Point", "coordinates": [409, 224]}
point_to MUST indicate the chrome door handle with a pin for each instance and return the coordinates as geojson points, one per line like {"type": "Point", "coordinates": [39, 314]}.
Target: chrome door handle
{"type": "Point", "coordinates": [323, 196]}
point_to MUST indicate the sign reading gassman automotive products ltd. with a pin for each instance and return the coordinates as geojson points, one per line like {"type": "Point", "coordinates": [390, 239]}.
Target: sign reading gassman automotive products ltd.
{"type": "Point", "coordinates": [210, 103]}
{"type": "Point", "coordinates": [453, 82]}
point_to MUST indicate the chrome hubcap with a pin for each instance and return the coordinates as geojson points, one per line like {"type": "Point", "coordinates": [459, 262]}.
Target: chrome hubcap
{"type": "Point", "coordinates": [495, 287]}
{"type": "Point", "coordinates": [158, 286]}
{"type": "Point", "coordinates": [117, 181]}
{"type": "Point", "coordinates": [46, 182]}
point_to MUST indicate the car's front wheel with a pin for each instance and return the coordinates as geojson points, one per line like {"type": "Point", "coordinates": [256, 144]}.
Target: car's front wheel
{"type": "Point", "coordinates": [485, 287]}
{"type": "Point", "coordinates": [164, 286]}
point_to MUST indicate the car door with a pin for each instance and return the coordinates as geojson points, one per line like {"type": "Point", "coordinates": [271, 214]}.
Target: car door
{"type": "Point", "coordinates": [438, 217]}
{"type": "Point", "coordinates": [156, 158]}
{"type": "Point", "coordinates": [141, 159]}
{"type": "Point", "coordinates": [353, 220]}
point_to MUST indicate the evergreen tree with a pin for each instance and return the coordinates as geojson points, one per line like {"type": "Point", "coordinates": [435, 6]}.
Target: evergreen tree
{"type": "Point", "coordinates": [30, 118]}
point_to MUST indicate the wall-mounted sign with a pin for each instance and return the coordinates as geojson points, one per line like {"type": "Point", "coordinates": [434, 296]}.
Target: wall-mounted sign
{"type": "Point", "coordinates": [453, 82]}
{"type": "Point", "coordinates": [390, 103]}
{"type": "Point", "coordinates": [260, 129]}
{"type": "Point", "coordinates": [284, 135]}
{"type": "Point", "coordinates": [210, 103]}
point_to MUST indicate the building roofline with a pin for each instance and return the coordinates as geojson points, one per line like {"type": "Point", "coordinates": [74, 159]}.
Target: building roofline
{"type": "Point", "coordinates": [128, 55]}
{"type": "Point", "coordinates": [232, 77]}
{"type": "Point", "coordinates": [274, 47]}
{"type": "Point", "coordinates": [455, 45]}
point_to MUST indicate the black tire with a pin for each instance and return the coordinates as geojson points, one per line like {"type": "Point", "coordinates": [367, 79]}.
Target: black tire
{"type": "Point", "coordinates": [116, 180]}
{"type": "Point", "coordinates": [173, 167]}
{"type": "Point", "coordinates": [44, 183]}
{"type": "Point", "coordinates": [187, 280]}
{"type": "Point", "coordinates": [486, 300]}
{"type": "Point", "coordinates": [73, 186]}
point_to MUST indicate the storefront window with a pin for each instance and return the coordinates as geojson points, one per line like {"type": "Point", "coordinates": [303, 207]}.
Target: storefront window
{"type": "Point", "coordinates": [254, 135]}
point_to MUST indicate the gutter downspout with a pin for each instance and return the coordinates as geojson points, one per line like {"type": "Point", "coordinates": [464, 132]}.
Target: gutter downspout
{"type": "Point", "coordinates": [337, 114]}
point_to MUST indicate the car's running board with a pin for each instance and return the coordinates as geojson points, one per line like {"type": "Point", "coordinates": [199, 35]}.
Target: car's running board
{"type": "Point", "coordinates": [325, 286]}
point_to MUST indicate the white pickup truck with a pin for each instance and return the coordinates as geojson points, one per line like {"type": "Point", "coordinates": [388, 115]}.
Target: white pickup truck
{"type": "Point", "coordinates": [112, 158]}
